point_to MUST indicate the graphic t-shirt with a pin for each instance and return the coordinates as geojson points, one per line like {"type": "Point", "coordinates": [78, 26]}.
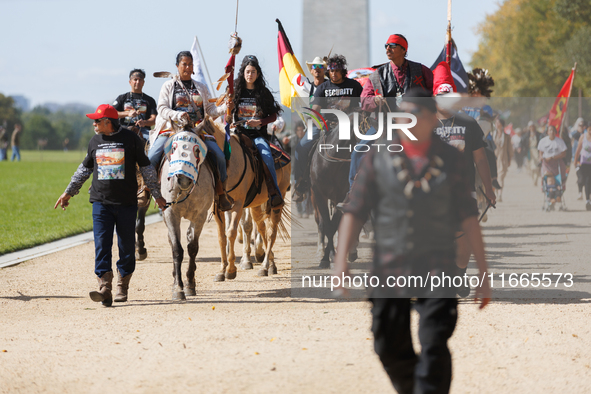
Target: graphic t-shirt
{"type": "Point", "coordinates": [113, 159]}
{"type": "Point", "coordinates": [464, 133]}
{"type": "Point", "coordinates": [181, 102]}
{"type": "Point", "coordinates": [248, 109]}
{"type": "Point", "coordinates": [333, 95]}
{"type": "Point", "coordinates": [142, 103]}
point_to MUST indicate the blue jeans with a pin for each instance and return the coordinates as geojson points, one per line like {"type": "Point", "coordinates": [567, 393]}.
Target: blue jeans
{"type": "Point", "coordinates": [16, 153]}
{"type": "Point", "coordinates": [220, 158]}
{"type": "Point", "coordinates": [105, 218]}
{"type": "Point", "coordinates": [265, 151]}
{"type": "Point", "coordinates": [145, 133]}
{"type": "Point", "coordinates": [302, 151]}
{"type": "Point", "coordinates": [357, 156]}
{"type": "Point", "coordinates": [156, 150]}
{"type": "Point", "coordinates": [3, 154]}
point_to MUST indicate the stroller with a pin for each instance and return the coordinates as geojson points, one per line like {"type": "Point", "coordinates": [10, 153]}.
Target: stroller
{"type": "Point", "coordinates": [553, 189]}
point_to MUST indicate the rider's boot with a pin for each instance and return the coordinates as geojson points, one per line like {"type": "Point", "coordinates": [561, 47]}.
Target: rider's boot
{"type": "Point", "coordinates": [122, 287]}
{"type": "Point", "coordinates": [104, 293]}
{"type": "Point", "coordinates": [275, 199]}
{"type": "Point", "coordinates": [225, 202]}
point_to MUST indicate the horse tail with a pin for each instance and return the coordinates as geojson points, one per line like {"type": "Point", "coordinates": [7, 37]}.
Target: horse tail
{"type": "Point", "coordinates": [284, 225]}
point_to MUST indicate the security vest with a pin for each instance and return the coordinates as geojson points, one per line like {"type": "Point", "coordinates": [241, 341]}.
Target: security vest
{"type": "Point", "coordinates": [384, 81]}
{"type": "Point", "coordinates": [419, 223]}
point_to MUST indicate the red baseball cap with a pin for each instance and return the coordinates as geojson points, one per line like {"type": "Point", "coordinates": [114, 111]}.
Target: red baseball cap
{"type": "Point", "coordinates": [104, 111]}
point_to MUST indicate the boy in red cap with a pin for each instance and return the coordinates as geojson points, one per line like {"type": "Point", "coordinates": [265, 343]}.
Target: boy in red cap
{"type": "Point", "coordinates": [111, 159]}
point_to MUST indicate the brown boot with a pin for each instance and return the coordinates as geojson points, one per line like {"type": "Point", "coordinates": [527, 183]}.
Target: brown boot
{"type": "Point", "coordinates": [122, 287]}
{"type": "Point", "coordinates": [104, 293]}
{"type": "Point", "coordinates": [225, 202]}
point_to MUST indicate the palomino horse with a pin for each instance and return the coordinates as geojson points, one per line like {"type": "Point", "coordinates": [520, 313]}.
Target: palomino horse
{"type": "Point", "coordinates": [189, 188]}
{"type": "Point", "coordinates": [268, 221]}
{"type": "Point", "coordinates": [329, 181]}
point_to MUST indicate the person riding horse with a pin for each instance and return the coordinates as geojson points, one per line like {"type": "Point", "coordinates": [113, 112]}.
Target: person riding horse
{"type": "Point", "coordinates": [329, 94]}
{"type": "Point", "coordinates": [252, 108]}
{"type": "Point", "coordinates": [184, 101]}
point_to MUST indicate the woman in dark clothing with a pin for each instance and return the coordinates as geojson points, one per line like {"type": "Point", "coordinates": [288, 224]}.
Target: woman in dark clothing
{"type": "Point", "coordinates": [253, 108]}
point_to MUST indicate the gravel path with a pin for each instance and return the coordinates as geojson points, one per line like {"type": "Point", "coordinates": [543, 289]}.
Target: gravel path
{"type": "Point", "coordinates": [249, 335]}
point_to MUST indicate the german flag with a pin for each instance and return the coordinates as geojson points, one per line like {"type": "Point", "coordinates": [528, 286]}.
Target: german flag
{"type": "Point", "coordinates": [561, 104]}
{"type": "Point", "coordinates": [292, 79]}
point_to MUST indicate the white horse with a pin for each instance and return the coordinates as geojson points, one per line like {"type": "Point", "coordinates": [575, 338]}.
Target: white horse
{"type": "Point", "coordinates": [188, 186]}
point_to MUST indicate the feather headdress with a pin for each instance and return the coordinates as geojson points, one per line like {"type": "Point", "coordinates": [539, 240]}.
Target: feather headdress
{"type": "Point", "coordinates": [480, 81]}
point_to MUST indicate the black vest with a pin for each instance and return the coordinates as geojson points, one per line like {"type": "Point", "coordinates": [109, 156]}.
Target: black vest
{"type": "Point", "coordinates": [421, 225]}
{"type": "Point", "coordinates": [385, 83]}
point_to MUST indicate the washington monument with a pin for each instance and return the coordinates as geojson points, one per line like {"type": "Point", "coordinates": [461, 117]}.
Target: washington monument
{"type": "Point", "coordinates": [342, 25]}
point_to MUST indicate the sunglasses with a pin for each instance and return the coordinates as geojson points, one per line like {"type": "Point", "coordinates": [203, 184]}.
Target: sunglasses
{"type": "Point", "coordinates": [317, 66]}
{"type": "Point", "coordinates": [392, 46]}
{"type": "Point", "coordinates": [97, 121]}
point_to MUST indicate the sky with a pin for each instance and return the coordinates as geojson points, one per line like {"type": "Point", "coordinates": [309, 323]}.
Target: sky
{"type": "Point", "coordinates": [80, 51]}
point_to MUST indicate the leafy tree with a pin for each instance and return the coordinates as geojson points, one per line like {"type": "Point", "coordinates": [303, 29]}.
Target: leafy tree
{"type": "Point", "coordinates": [530, 46]}
{"type": "Point", "coordinates": [9, 114]}
{"type": "Point", "coordinates": [38, 128]}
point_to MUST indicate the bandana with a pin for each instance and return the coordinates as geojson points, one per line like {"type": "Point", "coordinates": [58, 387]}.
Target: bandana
{"type": "Point", "coordinates": [394, 39]}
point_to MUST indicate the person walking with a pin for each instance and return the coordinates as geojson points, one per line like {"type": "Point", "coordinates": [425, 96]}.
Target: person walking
{"type": "Point", "coordinates": [3, 143]}
{"type": "Point", "coordinates": [111, 160]}
{"type": "Point", "coordinates": [583, 162]}
{"type": "Point", "coordinates": [414, 232]}
{"type": "Point", "coordinates": [15, 142]}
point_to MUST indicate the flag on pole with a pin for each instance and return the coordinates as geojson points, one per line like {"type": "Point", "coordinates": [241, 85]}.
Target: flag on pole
{"type": "Point", "coordinates": [292, 79]}
{"type": "Point", "coordinates": [197, 69]}
{"type": "Point", "coordinates": [560, 105]}
{"type": "Point", "coordinates": [457, 68]}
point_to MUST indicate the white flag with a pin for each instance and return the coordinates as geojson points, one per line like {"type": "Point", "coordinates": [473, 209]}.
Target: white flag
{"type": "Point", "coordinates": [199, 76]}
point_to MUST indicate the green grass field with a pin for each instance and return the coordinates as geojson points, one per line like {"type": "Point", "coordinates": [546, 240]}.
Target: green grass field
{"type": "Point", "coordinates": [28, 192]}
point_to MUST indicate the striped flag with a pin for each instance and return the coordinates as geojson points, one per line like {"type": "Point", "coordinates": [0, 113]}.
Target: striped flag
{"type": "Point", "coordinates": [292, 79]}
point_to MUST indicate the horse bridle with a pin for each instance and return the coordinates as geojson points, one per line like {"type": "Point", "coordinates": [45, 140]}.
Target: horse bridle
{"type": "Point", "coordinates": [168, 204]}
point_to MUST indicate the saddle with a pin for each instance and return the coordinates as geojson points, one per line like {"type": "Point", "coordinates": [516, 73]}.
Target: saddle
{"type": "Point", "coordinates": [280, 159]}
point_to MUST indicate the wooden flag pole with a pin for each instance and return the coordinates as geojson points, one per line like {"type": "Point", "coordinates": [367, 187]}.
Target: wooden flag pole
{"type": "Point", "coordinates": [448, 35]}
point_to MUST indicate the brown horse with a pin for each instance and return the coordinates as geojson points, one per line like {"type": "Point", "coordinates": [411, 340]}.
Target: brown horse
{"type": "Point", "coordinates": [241, 176]}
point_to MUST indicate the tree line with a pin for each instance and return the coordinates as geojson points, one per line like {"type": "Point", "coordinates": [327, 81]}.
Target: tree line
{"type": "Point", "coordinates": [530, 46]}
{"type": "Point", "coordinates": [46, 129]}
